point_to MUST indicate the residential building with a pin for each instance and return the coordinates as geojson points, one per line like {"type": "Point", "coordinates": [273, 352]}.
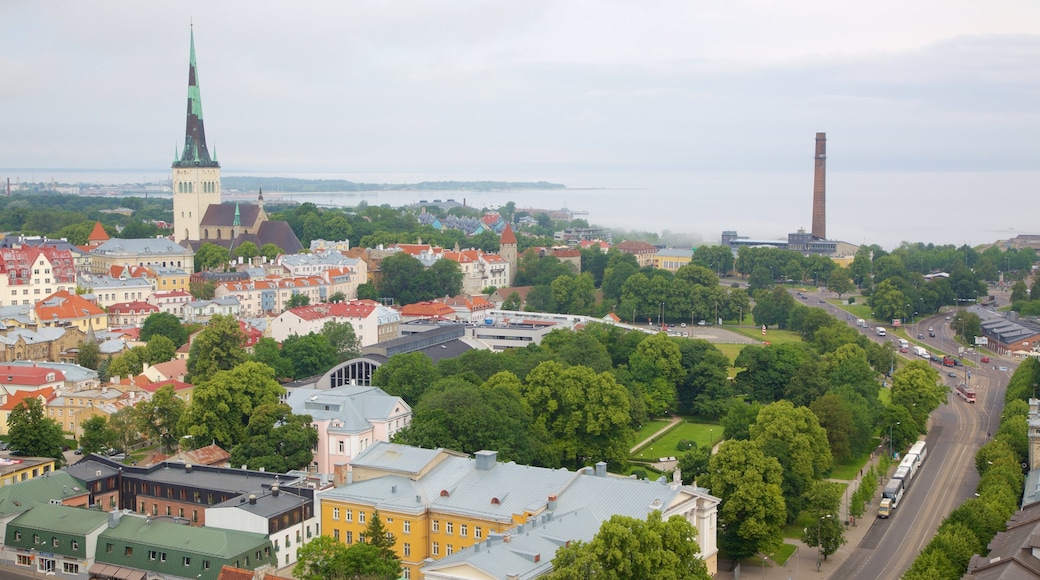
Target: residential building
{"type": "Point", "coordinates": [300, 265]}
{"type": "Point", "coordinates": [480, 270]}
{"type": "Point", "coordinates": [16, 378]}
{"type": "Point", "coordinates": [468, 308]}
{"type": "Point", "coordinates": [53, 344]}
{"type": "Point", "coordinates": [288, 520]}
{"type": "Point", "coordinates": [77, 378]}
{"type": "Point", "coordinates": [169, 279]}
{"type": "Point", "coordinates": [428, 310]}
{"type": "Point", "coordinates": [172, 302]}
{"type": "Point", "coordinates": [58, 488]}
{"type": "Point", "coordinates": [372, 322]}
{"type": "Point", "coordinates": [14, 398]}
{"type": "Point", "coordinates": [70, 409]}
{"type": "Point", "coordinates": [109, 290]}
{"type": "Point", "coordinates": [64, 308]}
{"type": "Point", "coordinates": [130, 313]}
{"type": "Point", "coordinates": [174, 370]}
{"type": "Point", "coordinates": [204, 310]}
{"type": "Point", "coordinates": [437, 502]}
{"type": "Point", "coordinates": [500, 295]}
{"type": "Point", "coordinates": [29, 273]}
{"type": "Point", "coordinates": [348, 419]}
{"type": "Point", "coordinates": [643, 251]}
{"type": "Point", "coordinates": [151, 252]}
{"type": "Point", "coordinates": [574, 236]}
{"type": "Point", "coordinates": [18, 469]}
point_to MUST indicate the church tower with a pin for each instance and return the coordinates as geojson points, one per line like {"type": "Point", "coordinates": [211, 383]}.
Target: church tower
{"type": "Point", "coordinates": [196, 174]}
{"type": "Point", "coordinates": [507, 249]}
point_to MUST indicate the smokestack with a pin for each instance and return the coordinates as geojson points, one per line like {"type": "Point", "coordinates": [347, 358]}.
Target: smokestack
{"type": "Point", "coordinates": [819, 202]}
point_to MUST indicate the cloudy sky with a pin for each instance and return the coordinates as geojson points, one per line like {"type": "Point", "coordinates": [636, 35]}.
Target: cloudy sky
{"type": "Point", "coordinates": [532, 89]}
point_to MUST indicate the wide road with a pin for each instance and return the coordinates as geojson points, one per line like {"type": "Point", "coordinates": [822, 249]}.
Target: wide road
{"type": "Point", "coordinates": [948, 477]}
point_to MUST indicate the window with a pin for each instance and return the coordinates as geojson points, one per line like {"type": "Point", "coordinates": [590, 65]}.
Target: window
{"type": "Point", "coordinates": [162, 556]}
{"type": "Point", "coordinates": [476, 532]}
{"type": "Point", "coordinates": [108, 548]}
{"type": "Point", "coordinates": [335, 534]}
{"type": "Point", "coordinates": [436, 526]}
{"type": "Point", "coordinates": [36, 537]}
{"type": "Point", "coordinates": [194, 515]}
{"type": "Point", "coordinates": [186, 560]}
{"type": "Point", "coordinates": [462, 530]}
{"type": "Point", "coordinates": [349, 538]}
{"type": "Point", "coordinates": [70, 568]}
{"type": "Point", "coordinates": [449, 528]}
{"type": "Point", "coordinates": [451, 549]}
{"type": "Point", "coordinates": [349, 516]}
{"type": "Point", "coordinates": [54, 541]}
{"type": "Point", "coordinates": [361, 517]}
{"type": "Point", "coordinates": [75, 545]}
{"type": "Point", "coordinates": [129, 551]}
{"type": "Point", "coordinates": [169, 510]}
{"type": "Point", "coordinates": [205, 564]}
{"type": "Point", "coordinates": [335, 513]}
{"type": "Point", "coordinates": [436, 549]}
{"type": "Point", "coordinates": [18, 536]}
{"type": "Point", "coordinates": [407, 549]}
{"type": "Point", "coordinates": [341, 447]}
{"type": "Point", "coordinates": [24, 560]}
{"type": "Point", "coordinates": [407, 527]}
{"type": "Point", "coordinates": [407, 573]}
{"type": "Point", "coordinates": [152, 554]}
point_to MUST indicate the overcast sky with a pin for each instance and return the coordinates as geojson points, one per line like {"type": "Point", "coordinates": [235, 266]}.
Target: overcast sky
{"type": "Point", "coordinates": [532, 89]}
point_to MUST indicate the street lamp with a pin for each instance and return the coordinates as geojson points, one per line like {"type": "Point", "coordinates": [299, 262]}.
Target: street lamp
{"type": "Point", "coordinates": [819, 539]}
{"type": "Point", "coordinates": [890, 453]}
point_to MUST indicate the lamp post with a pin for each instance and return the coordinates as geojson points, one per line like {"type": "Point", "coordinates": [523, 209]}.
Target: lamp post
{"type": "Point", "coordinates": [819, 539]}
{"type": "Point", "coordinates": [890, 452]}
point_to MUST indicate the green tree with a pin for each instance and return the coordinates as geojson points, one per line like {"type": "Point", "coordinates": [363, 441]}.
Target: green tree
{"type": "Point", "coordinates": [342, 337]}
{"type": "Point", "coordinates": [406, 375]}
{"type": "Point", "coordinates": [202, 290]}
{"type": "Point", "coordinates": [97, 435]}
{"type": "Point", "coordinates": [752, 513]}
{"type": "Point", "coordinates": [773, 307]}
{"type": "Point", "coordinates": [718, 259]}
{"type": "Point", "coordinates": [221, 405]}
{"type": "Point", "coordinates": [276, 440]}
{"type": "Point", "coordinates": [33, 434]}
{"type": "Point", "coordinates": [270, 251]}
{"type": "Point", "coordinates": [322, 558]}
{"type": "Point", "coordinates": [793, 436]}
{"type": "Point", "coordinates": [822, 503]}
{"type": "Point", "coordinates": [580, 417]}
{"type": "Point", "coordinates": [124, 425]}
{"type": "Point", "coordinates": [165, 324]}
{"type": "Point", "coordinates": [267, 351]}
{"type": "Point", "coordinates": [159, 350]}
{"type": "Point", "coordinates": [337, 297]}
{"type": "Point", "coordinates": [512, 302]}
{"type": "Point", "coordinates": [657, 364]}
{"type": "Point", "coordinates": [838, 420]}
{"type": "Point", "coordinates": [247, 251]}
{"type": "Point", "coordinates": [159, 419]}
{"type": "Point", "coordinates": [737, 422]}
{"type": "Point", "coordinates": [1019, 292]}
{"type": "Point", "coordinates": [917, 388]}
{"type": "Point", "coordinates": [217, 348]}
{"type": "Point", "coordinates": [627, 548]}
{"type": "Point", "coordinates": [367, 291]}
{"type": "Point", "coordinates": [89, 355]}
{"type": "Point", "coordinates": [377, 535]}
{"type": "Point", "coordinates": [693, 463]}
{"type": "Point", "coordinates": [130, 363]}
{"type": "Point", "coordinates": [469, 418]}
{"type": "Point", "coordinates": [840, 281]}
{"type": "Point", "coordinates": [297, 300]}
{"type": "Point", "coordinates": [967, 325]}
{"type": "Point", "coordinates": [311, 354]}
{"type": "Point", "coordinates": [211, 256]}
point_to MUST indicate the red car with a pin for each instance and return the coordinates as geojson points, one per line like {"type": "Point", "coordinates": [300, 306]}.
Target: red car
{"type": "Point", "coordinates": [985, 359]}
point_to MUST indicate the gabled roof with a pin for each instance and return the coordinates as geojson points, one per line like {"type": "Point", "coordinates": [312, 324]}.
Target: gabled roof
{"type": "Point", "coordinates": [223, 215]}
{"type": "Point", "coordinates": [428, 309]}
{"type": "Point", "coordinates": [508, 237]}
{"type": "Point", "coordinates": [215, 542]}
{"type": "Point", "coordinates": [98, 234]}
{"type": "Point", "coordinates": [16, 398]}
{"type": "Point", "coordinates": [635, 246]}
{"type": "Point", "coordinates": [352, 309]}
{"type": "Point", "coordinates": [63, 305]}
{"type": "Point", "coordinates": [135, 307]}
{"type": "Point", "coordinates": [59, 518]}
{"type": "Point", "coordinates": [57, 485]}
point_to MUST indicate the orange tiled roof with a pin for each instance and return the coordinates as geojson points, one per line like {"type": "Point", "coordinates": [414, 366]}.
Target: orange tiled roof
{"type": "Point", "coordinates": [98, 234]}
{"type": "Point", "coordinates": [352, 309]}
{"type": "Point", "coordinates": [508, 237]}
{"type": "Point", "coordinates": [428, 309]}
{"type": "Point", "coordinates": [64, 305]}
{"type": "Point", "coordinates": [17, 397]}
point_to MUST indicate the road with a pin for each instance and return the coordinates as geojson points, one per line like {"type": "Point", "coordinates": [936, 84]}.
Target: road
{"type": "Point", "coordinates": [948, 476]}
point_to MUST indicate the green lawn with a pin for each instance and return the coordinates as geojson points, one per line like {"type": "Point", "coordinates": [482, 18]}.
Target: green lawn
{"type": "Point", "coordinates": [772, 335]}
{"type": "Point", "coordinates": [730, 350]}
{"type": "Point", "coordinates": [858, 310]}
{"type": "Point", "coordinates": [778, 557]}
{"type": "Point", "coordinates": [651, 427]}
{"type": "Point", "coordinates": [665, 446]}
{"type": "Point", "coordinates": [849, 469]}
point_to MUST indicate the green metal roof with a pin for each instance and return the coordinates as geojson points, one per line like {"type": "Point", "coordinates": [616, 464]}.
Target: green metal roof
{"type": "Point", "coordinates": [21, 496]}
{"type": "Point", "coordinates": [214, 542]}
{"type": "Point", "coordinates": [59, 518]}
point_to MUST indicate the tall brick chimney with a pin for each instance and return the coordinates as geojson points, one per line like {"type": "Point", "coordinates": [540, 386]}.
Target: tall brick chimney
{"type": "Point", "coordinates": [819, 201]}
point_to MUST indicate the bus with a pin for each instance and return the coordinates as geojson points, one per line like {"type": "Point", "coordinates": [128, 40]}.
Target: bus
{"type": "Point", "coordinates": [919, 449]}
{"type": "Point", "coordinates": [894, 491]}
{"type": "Point", "coordinates": [905, 473]}
{"type": "Point", "coordinates": [966, 393]}
{"type": "Point", "coordinates": [910, 462]}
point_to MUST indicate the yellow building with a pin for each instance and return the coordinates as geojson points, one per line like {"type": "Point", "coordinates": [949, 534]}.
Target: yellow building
{"type": "Point", "coordinates": [17, 469]}
{"type": "Point", "coordinates": [437, 502]}
{"type": "Point", "coordinates": [672, 259]}
{"type": "Point", "coordinates": [169, 279]}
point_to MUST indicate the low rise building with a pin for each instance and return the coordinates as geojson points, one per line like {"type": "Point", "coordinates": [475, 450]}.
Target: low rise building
{"type": "Point", "coordinates": [110, 291]}
{"type": "Point", "coordinates": [134, 313]}
{"type": "Point", "coordinates": [152, 252]}
{"type": "Point", "coordinates": [172, 302]}
{"type": "Point", "coordinates": [372, 322]}
{"type": "Point", "coordinates": [64, 308]}
{"type": "Point", "coordinates": [643, 251]}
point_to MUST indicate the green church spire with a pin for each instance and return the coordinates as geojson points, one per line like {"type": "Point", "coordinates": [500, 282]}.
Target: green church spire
{"type": "Point", "coordinates": [195, 152]}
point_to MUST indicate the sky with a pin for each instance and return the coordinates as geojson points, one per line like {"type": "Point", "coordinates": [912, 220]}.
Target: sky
{"type": "Point", "coordinates": [531, 90]}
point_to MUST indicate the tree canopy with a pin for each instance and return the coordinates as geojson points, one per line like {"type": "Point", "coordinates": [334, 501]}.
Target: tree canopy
{"type": "Point", "coordinates": [33, 434]}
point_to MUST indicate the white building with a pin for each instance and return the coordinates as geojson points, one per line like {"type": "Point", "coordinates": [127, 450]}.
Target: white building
{"type": "Point", "coordinates": [372, 321]}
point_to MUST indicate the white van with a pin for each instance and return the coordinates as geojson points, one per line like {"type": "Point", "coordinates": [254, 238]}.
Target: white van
{"type": "Point", "coordinates": [860, 322]}
{"type": "Point", "coordinates": [880, 331]}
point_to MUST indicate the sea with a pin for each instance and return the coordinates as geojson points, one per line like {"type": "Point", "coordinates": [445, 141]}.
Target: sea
{"type": "Point", "coordinates": [863, 207]}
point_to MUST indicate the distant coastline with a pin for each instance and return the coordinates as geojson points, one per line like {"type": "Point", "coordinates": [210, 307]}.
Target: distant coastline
{"type": "Point", "coordinates": [301, 185]}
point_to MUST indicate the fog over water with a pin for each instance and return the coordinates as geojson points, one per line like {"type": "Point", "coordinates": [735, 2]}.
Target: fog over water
{"type": "Point", "coordinates": [862, 207]}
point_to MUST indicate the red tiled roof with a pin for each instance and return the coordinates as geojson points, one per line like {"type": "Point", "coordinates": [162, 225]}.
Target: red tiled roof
{"type": "Point", "coordinates": [16, 398]}
{"type": "Point", "coordinates": [352, 309]}
{"type": "Point", "coordinates": [135, 307]}
{"type": "Point", "coordinates": [566, 253]}
{"type": "Point", "coordinates": [508, 237]}
{"type": "Point", "coordinates": [20, 375]}
{"type": "Point", "coordinates": [177, 385]}
{"type": "Point", "coordinates": [63, 305]}
{"type": "Point", "coordinates": [428, 309]}
{"type": "Point", "coordinates": [630, 246]}
{"type": "Point", "coordinates": [98, 234]}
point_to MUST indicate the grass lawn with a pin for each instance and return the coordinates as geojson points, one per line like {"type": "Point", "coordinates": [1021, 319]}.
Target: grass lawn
{"type": "Point", "coordinates": [849, 469]}
{"type": "Point", "coordinates": [778, 557]}
{"type": "Point", "coordinates": [651, 427]}
{"type": "Point", "coordinates": [886, 396]}
{"type": "Point", "coordinates": [730, 350]}
{"type": "Point", "coordinates": [858, 310]}
{"type": "Point", "coordinates": [665, 446]}
{"type": "Point", "coordinates": [772, 335]}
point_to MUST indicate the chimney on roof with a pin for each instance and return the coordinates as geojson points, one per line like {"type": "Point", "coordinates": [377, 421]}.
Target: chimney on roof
{"type": "Point", "coordinates": [486, 460]}
{"type": "Point", "coordinates": [187, 468]}
{"type": "Point", "coordinates": [275, 490]}
{"type": "Point", "coordinates": [252, 499]}
{"type": "Point", "coordinates": [601, 469]}
{"type": "Point", "coordinates": [551, 505]}
{"type": "Point", "coordinates": [113, 518]}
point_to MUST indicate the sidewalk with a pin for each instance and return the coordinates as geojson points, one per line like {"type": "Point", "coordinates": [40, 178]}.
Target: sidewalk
{"type": "Point", "coordinates": [802, 564]}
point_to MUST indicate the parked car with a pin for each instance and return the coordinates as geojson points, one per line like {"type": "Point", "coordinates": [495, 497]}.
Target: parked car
{"type": "Point", "coordinates": [78, 451]}
{"type": "Point", "coordinates": [957, 362]}
{"type": "Point", "coordinates": [952, 373]}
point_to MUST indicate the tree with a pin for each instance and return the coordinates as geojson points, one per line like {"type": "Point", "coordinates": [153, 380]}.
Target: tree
{"type": "Point", "coordinates": [406, 375]}
{"type": "Point", "coordinates": [967, 325]}
{"type": "Point", "coordinates": [297, 300]}
{"type": "Point", "coordinates": [247, 251]}
{"type": "Point", "coordinates": [321, 558]}
{"type": "Point", "coordinates": [202, 290]}
{"type": "Point", "coordinates": [159, 350]}
{"type": "Point", "coordinates": [512, 302]}
{"type": "Point", "coordinates": [840, 281]}
{"type": "Point", "coordinates": [276, 440]}
{"type": "Point", "coordinates": [337, 297]}
{"type": "Point", "coordinates": [377, 535]}
{"type": "Point", "coordinates": [221, 405]}
{"type": "Point", "coordinates": [33, 434]}
{"type": "Point", "coordinates": [367, 291]}
{"type": "Point", "coordinates": [657, 364]}
{"type": "Point", "coordinates": [705, 389]}
{"type": "Point", "coordinates": [123, 424]}
{"type": "Point", "coordinates": [773, 307]}
{"type": "Point", "coordinates": [342, 337]}
{"type": "Point", "coordinates": [267, 351]}
{"type": "Point", "coordinates": [794, 437]}
{"type": "Point", "coordinates": [822, 503]}
{"type": "Point", "coordinates": [217, 348]}
{"type": "Point", "coordinates": [752, 512]}
{"type": "Point", "coordinates": [918, 389]}
{"type": "Point", "coordinates": [693, 463]}
{"type": "Point", "coordinates": [469, 418]}
{"type": "Point", "coordinates": [210, 256]}
{"type": "Point", "coordinates": [165, 324]}
{"type": "Point", "coordinates": [839, 422]}
{"type": "Point", "coordinates": [1019, 292]}
{"type": "Point", "coordinates": [130, 363]}
{"type": "Point", "coordinates": [97, 435]}
{"type": "Point", "coordinates": [270, 251]}
{"type": "Point", "coordinates": [89, 355]}
{"type": "Point", "coordinates": [627, 548]}
{"type": "Point", "coordinates": [158, 419]}
{"type": "Point", "coordinates": [310, 355]}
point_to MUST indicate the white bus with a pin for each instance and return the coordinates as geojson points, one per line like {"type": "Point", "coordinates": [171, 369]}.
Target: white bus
{"type": "Point", "coordinates": [920, 449]}
{"type": "Point", "coordinates": [894, 491]}
{"type": "Point", "coordinates": [910, 462]}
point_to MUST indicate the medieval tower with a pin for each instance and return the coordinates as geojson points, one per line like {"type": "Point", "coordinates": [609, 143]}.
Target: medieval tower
{"type": "Point", "coordinates": [196, 174]}
{"type": "Point", "coordinates": [507, 249]}
{"type": "Point", "coordinates": [819, 202]}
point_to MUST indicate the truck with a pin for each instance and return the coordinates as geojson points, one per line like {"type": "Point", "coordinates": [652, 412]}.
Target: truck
{"type": "Point", "coordinates": [861, 323]}
{"type": "Point", "coordinates": [880, 331]}
{"type": "Point", "coordinates": [904, 344]}
{"type": "Point", "coordinates": [884, 508]}
{"type": "Point", "coordinates": [921, 352]}
{"type": "Point", "coordinates": [947, 361]}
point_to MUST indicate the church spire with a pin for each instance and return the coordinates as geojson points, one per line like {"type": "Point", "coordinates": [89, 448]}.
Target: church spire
{"type": "Point", "coordinates": [195, 152]}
